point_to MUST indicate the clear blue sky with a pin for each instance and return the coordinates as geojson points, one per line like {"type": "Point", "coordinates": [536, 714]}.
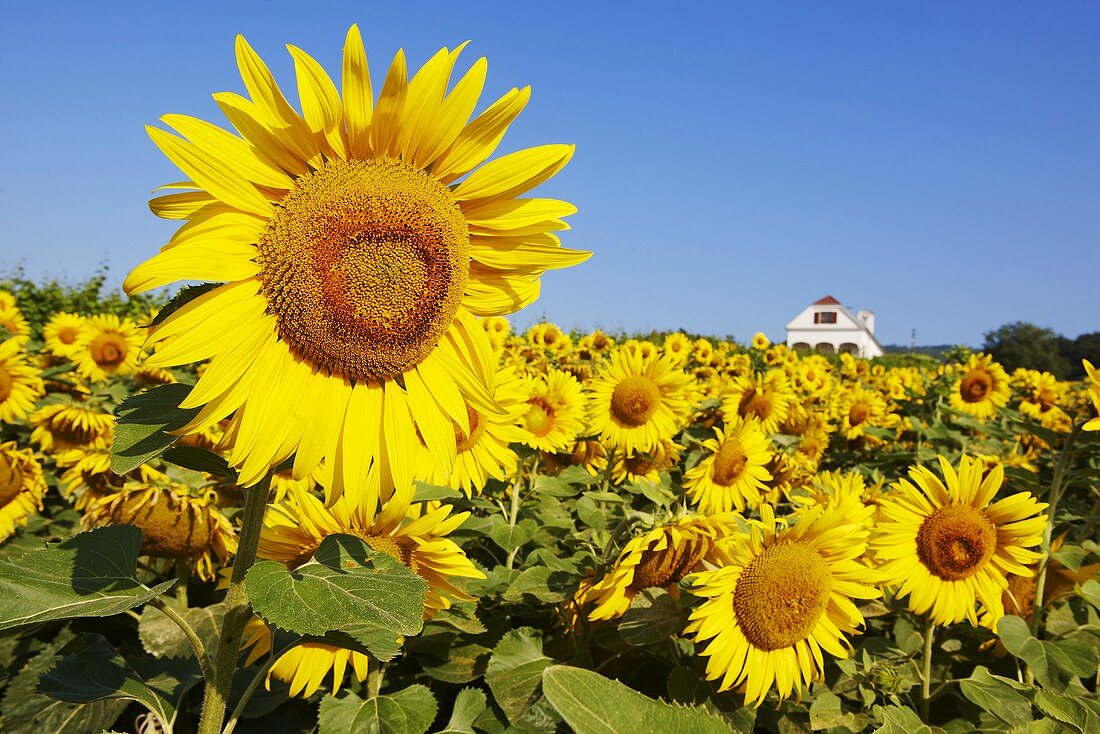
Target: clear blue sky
{"type": "Point", "coordinates": [938, 163]}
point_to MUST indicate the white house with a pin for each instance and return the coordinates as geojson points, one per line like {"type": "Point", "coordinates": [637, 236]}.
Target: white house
{"type": "Point", "coordinates": [826, 326]}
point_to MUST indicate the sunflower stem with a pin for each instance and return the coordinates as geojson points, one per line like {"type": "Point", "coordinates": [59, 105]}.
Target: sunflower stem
{"type": "Point", "coordinates": [1056, 487]}
{"type": "Point", "coordinates": [188, 632]}
{"type": "Point", "coordinates": [514, 513]}
{"type": "Point", "coordinates": [237, 611]}
{"type": "Point", "coordinates": [926, 671]}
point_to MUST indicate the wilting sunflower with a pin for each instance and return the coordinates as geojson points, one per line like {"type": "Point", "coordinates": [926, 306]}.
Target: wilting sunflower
{"type": "Point", "coordinates": [88, 476]}
{"type": "Point", "coordinates": [860, 409]}
{"type": "Point", "coordinates": [634, 404]}
{"type": "Point", "coordinates": [660, 558]}
{"type": "Point", "coordinates": [646, 465]}
{"type": "Point", "coordinates": [782, 596]}
{"type": "Point", "coordinates": [173, 524]}
{"type": "Point", "coordinates": [109, 347]}
{"type": "Point", "coordinates": [555, 411]}
{"type": "Point", "coordinates": [948, 546]}
{"type": "Point", "coordinates": [63, 332]}
{"type": "Point", "coordinates": [354, 261]}
{"type": "Point", "coordinates": [22, 487]}
{"type": "Point", "coordinates": [982, 388]}
{"type": "Point", "coordinates": [589, 454]}
{"type": "Point", "coordinates": [61, 426]}
{"type": "Point", "coordinates": [733, 472]}
{"type": "Point", "coordinates": [767, 397]}
{"type": "Point", "coordinates": [20, 383]}
{"type": "Point", "coordinates": [1094, 394]}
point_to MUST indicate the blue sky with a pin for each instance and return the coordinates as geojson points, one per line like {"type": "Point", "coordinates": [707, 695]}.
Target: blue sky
{"type": "Point", "coordinates": [938, 163]}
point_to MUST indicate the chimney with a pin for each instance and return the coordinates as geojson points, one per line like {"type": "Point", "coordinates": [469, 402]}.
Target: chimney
{"type": "Point", "coordinates": [868, 319]}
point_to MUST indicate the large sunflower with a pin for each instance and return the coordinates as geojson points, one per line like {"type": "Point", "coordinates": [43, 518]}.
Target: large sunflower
{"type": "Point", "coordinates": [353, 260]}
{"type": "Point", "coordinates": [782, 596]}
{"type": "Point", "coordinates": [982, 388]}
{"type": "Point", "coordinates": [733, 473]}
{"type": "Point", "coordinates": [108, 347]}
{"type": "Point", "coordinates": [948, 546]}
{"type": "Point", "coordinates": [22, 487]}
{"type": "Point", "coordinates": [20, 383]}
{"type": "Point", "coordinates": [635, 403]}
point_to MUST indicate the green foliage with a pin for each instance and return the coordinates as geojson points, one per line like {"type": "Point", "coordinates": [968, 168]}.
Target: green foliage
{"type": "Point", "coordinates": [144, 420]}
{"type": "Point", "coordinates": [409, 711]}
{"type": "Point", "coordinates": [1021, 344]}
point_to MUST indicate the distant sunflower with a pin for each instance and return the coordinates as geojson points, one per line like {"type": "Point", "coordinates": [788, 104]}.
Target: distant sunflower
{"type": "Point", "coordinates": [589, 454]}
{"type": "Point", "coordinates": [61, 426]}
{"type": "Point", "coordinates": [760, 341]}
{"type": "Point", "coordinates": [783, 596]}
{"type": "Point", "coordinates": [22, 487]}
{"type": "Point", "coordinates": [14, 327]}
{"type": "Point", "coordinates": [678, 347]}
{"type": "Point", "coordinates": [173, 524]}
{"type": "Point", "coordinates": [634, 404]}
{"type": "Point", "coordinates": [860, 409]}
{"type": "Point", "coordinates": [1094, 394]}
{"type": "Point", "coordinates": [766, 397]}
{"type": "Point", "coordinates": [354, 260]}
{"type": "Point", "coordinates": [555, 411]}
{"type": "Point", "coordinates": [63, 332]}
{"type": "Point", "coordinates": [20, 383]}
{"type": "Point", "coordinates": [108, 348]}
{"type": "Point", "coordinates": [982, 388]}
{"type": "Point", "coordinates": [646, 464]}
{"type": "Point", "coordinates": [948, 546]}
{"type": "Point", "coordinates": [733, 472]}
{"type": "Point", "coordinates": [660, 558]}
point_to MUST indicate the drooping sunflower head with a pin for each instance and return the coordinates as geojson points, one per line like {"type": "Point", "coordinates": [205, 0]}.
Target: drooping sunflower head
{"type": "Point", "coordinates": [646, 465]}
{"type": "Point", "coordinates": [733, 472]}
{"type": "Point", "coordinates": [982, 387]}
{"type": "Point", "coordinates": [61, 426]}
{"type": "Point", "coordinates": [947, 545]}
{"type": "Point", "coordinates": [173, 524]}
{"type": "Point", "coordinates": [109, 346]}
{"type": "Point", "coordinates": [782, 596]}
{"type": "Point", "coordinates": [660, 558]}
{"type": "Point", "coordinates": [766, 397]}
{"type": "Point", "coordinates": [356, 240]}
{"type": "Point", "coordinates": [636, 403]}
{"type": "Point", "coordinates": [20, 383]}
{"type": "Point", "coordinates": [22, 487]}
{"type": "Point", "coordinates": [63, 332]}
{"type": "Point", "coordinates": [555, 411]}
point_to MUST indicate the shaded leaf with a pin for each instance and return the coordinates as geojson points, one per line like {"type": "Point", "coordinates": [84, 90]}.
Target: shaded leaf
{"type": "Point", "coordinates": [515, 671]}
{"type": "Point", "coordinates": [161, 637]}
{"type": "Point", "coordinates": [201, 460]}
{"type": "Point", "coordinates": [409, 711]}
{"type": "Point", "coordinates": [997, 696]}
{"type": "Point", "coordinates": [469, 703]}
{"type": "Point", "coordinates": [653, 617]}
{"type": "Point", "coordinates": [144, 420]}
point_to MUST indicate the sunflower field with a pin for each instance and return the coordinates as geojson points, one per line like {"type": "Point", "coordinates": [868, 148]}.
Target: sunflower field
{"type": "Point", "coordinates": [329, 489]}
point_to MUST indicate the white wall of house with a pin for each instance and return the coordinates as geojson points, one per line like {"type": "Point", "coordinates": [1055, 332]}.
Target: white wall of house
{"type": "Point", "coordinates": [827, 326]}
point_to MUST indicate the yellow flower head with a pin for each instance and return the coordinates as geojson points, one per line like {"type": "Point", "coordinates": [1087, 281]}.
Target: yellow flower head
{"type": "Point", "coordinates": [767, 397]}
{"type": "Point", "coordinates": [22, 487]}
{"type": "Point", "coordinates": [108, 347]}
{"type": "Point", "coordinates": [63, 333]}
{"type": "Point", "coordinates": [982, 387]}
{"type": "Point", "coordinates": [20, 383]}
{"type": "Point", "coordinates": [733, 472]}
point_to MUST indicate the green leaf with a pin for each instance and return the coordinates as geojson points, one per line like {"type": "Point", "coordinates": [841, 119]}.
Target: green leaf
{"type": "Point", "coordinates": [1090, 592]}
{"type": "Point", "coordinates": [93, 671]}
{"type": "Point", "coordinates": [826, 713]}
{"type": "Point", "coordinates": [143, 422]}
{"type": "Point", "coordinates": [686, 686]}
{"type": "Point", "coordinates": [469, 703]}
{"type": "Point", "coordinates": [515, 671]}
{"type": "Point", "coordinates": [89, 575]}
{"type": "Point", "coordinates": [997, 696]}
{"type": "Point", "coordinates": [1083, 714]}
{"type": "Point", "coordinates": [409, 711]}
{"type": "Point", "coordinates": [555, 486]}
{"type": "Point", "coordinates": [431, 492]}
{"type": "Point", "coordinates": [347, 588]}
{"type": "Point", "coordinates": [26, 711]}
{"type": "Point", "coordinates": [1070, 556]}
{"type": "Point", "coordinates": [900, 720]}
{"type": "Point", "coordinates": [163, 638]}
{"type": "Point", "coordinates": [540, 582]}
{"type": "Point", "coordinates": [653, 617]}
{"type": "Point", "coordinates": [592, 704]}
{"type": "Point", "coordinates": [199, 459]}
{"type": "Point", "coordinates": [1052, 663]}
{"type": "Point", "coordinates": [510, 538]}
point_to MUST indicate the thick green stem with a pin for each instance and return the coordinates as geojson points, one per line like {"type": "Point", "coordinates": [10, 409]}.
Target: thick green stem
{"type": "Point", "coordinates": [926, 671]}
{"type": "Point", "coordinates": [237, 611]}
{"type": "Point", "coordinates": [1057, 486]}
{"type": "Point", "coordinates": [514, 513]}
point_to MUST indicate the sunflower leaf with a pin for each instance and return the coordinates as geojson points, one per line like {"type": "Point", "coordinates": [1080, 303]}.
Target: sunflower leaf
{"type": "Point", "coordinates": [144, 421]}
{"type": "Point", "coordinates": [653, 617]}
{"type": "Point", "coordinates": [409, 711]}
{"type": "Point", "coordinates": [592, 704]}
{"type": "Point", "coordinates": [89, 575]}
{"type": "Point", "coordinates": [347, 588]}
{"type": "Point", "coordinates": [515, 671]}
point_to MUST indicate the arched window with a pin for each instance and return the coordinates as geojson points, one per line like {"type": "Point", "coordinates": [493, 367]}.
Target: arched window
{"type": "Point", "coordinates": [824, 348]}
{"type": "Point", "coordinates": [801, 347]}
{"type": "Point", "coordinates": [848, 348]}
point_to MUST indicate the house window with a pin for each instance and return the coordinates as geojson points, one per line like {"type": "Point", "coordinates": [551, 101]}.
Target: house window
{"type": "Point", "coordinates": [825, 317]}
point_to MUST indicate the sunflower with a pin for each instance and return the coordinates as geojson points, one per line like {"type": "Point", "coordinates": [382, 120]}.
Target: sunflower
{"type": "Point", "coordinates": [555, 411]}
{"type": "Point", "coordinates": [660, 558]}
{"type": "Point", "coordinates": [634, 404]}
{"type": "Point", "coordinates": [88, 476]}
{"type": "Point", "coordinates": [304, 666]}
{"type": "Point", "coordinates": [948, 546]}
{"type": "Point", "coordinates": [20, 383]}
{"type": "Point", "coordinates": [497, 329]}
{"type": "Point", "coordinates": [860, 409]}
{"type": "Point", "coordinates": [983, 387]}
{"type": "Point", "coordinates": [783, 595]}
{"type": "Point", "coordinates": [173, 524]}
{"type": "Point", "coordinates": [1094, 394]}
{"type": "Point", "coordinates": [63, 332]}
{"type": "Point", "coordinates": [109, 347]}
{"type": "Point", "coordinates": [63, 426]}
{"type": "Point", "coordinates": [7, 300]}
{"type": "Point", "coordinates": [760, 341]}
{"type": "Point", "coordinates": [14, 327]}
{"type": "Point", "coordinates": [732, 473]}
{"type": "Point", "coordinates": [678, 347]}
{"type": "Point", "coordinates": [766, 396]}
{"type": "Point", "coordinates": [646, 465]}
{"type": "Point", "coordinates": [847, 490]}
{"type": "Point", "coordinates": [354, 262]}
{"type": "Point", "coordinates": [589, 454]}
{"type": "Point", "coordinates": [22, 487]}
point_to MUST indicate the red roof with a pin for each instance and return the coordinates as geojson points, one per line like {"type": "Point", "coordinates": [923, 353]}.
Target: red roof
{"type": "Point", "coordinates": [827, 301]}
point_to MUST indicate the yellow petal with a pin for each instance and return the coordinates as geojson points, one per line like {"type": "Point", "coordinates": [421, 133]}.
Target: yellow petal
{"type": "Point", "coordinates": [515, 173]}
{"type": "Point", "coordinates": [515, 214]}
{"type": "Point", "coordinates": [320, 100]}
{"type": "Point", "coordinates": [452, 116]}
{"type": "Point", "coordinates": [480, 138]}
{"type": "Point", "coordinates": [227, 147]}
{"type": "Point", "coordinates": [358, 100]}
{"type": "Point", "coordinates": [391, 103]}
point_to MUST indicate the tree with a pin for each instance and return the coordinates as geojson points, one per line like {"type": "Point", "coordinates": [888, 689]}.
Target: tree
{"type": "Point", "coordinates": [1021, 344]}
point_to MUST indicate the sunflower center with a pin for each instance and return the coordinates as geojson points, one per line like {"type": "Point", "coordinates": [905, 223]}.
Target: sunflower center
{"type": "Point", "coordinates": [976, 386]}
{"type": "Point", "coordinates": [108, 350]}
{"type": "Point", "coordinates": [858, 413]}
{"type": "Point", "coordinates": [68, 334]}
{"type": "Point", "coordinates": [388, 545]}
{"type": "Point", "coordinates": [781, 594]}
{"type": "Point", "coordinates": [667, 566]}
{"type": "Point", "coordinates": [729, 463]}
{"type": "Point", "coordinates": [540, 417]}
{"type": "Point", "coordinates": [7, 384]}
{"type": "Point", "coordinates": [364, 265]}
{"type": "Point", "coordinates": [754, 403]}
{"type": "Point", "coordinates": [635, 400]}
{"type": "Point", "coordinates": [477, 429]}
{"type": "Point", "coordinates": [955, 541]}
{"type": "Point", "coordinates": [11, 479]}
